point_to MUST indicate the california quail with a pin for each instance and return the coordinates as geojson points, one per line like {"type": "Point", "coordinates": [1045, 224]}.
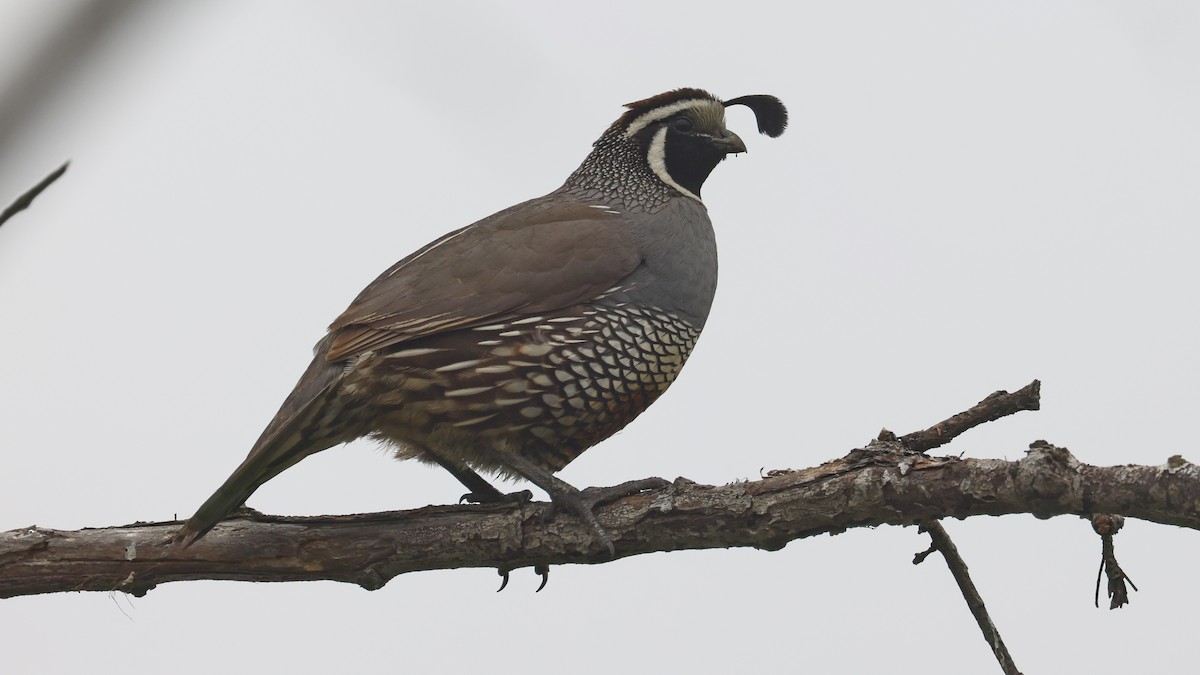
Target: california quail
{"type": "Point", "coordinates": [512, 345]}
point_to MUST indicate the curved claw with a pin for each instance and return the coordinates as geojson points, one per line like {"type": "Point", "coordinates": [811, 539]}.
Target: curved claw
{"type": "Point", "coordinates": [544, 570]}
{"type": "Point", "coordinates": [504, 574]}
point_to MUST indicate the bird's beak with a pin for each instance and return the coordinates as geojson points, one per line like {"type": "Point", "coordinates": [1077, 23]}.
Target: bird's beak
{"type": "Point", "coordinates": [729, 142]}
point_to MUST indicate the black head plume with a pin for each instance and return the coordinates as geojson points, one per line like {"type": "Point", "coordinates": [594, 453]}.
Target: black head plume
{"type": "Point", "coordinates": [768, 110]}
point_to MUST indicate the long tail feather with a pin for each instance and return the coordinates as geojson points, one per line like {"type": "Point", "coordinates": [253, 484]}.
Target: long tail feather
{"type": "Point", "coordinates": [286, 440]}
{"type": "Point", "coordinates": [263, 464]}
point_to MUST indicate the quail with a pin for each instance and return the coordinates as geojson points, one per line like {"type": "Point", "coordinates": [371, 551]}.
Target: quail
{"type": "Point", "coordinates": [512, 345]}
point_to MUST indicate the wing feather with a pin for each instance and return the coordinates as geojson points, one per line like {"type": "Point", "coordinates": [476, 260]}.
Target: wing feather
{"type": "Point", "coordinates": [535, 257]}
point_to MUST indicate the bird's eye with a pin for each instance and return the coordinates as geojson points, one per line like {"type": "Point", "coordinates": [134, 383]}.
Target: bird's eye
{"type": "Point", "coordinates": [681, 124]}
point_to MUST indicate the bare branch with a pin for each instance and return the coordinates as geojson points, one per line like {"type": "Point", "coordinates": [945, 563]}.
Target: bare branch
{"type": "Point", "coordinates": [881, 484]}
{"type": "Point", "coordinates": [884, 483]}
{"type": "Point", "coordinates": [999, 404]}
{"type": "Point", "coordinates": [23, 202]}
{"type": "Point", "coordinates": [958, 568]}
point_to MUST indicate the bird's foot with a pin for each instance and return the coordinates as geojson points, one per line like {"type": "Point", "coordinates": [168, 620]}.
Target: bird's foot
{"type": "Point", "coordinates": [497, 497]}
{"type": "Point", "coordinates": [541, 569]}
{"type": "Point", "coordinates": [571, 499]}
{"type": "Point", "coordinates": [584, 502]}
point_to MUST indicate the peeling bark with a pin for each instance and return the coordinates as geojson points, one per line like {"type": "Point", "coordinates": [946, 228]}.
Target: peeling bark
{"type": "Point", "coordinates": [882, 484]}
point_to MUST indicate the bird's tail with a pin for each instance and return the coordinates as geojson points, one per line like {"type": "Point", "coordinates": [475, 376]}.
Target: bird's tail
{"type": "Point", "coordinates": [290, 437]}
{"type": "Point", "coordinates": [263, 464]}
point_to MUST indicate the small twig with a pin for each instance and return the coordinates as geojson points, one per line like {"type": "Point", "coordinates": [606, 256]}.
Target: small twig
{"type": "Point", "coordinates": [26, 199]}
{"type": "Point", "coordinates": [999, 404]}
{"type": "Point", "coordinates": [958, 568]}
{"type": "Point", "coordinates": [920, 557]}
{"type": "Point", "coordinates": [1106, 526]}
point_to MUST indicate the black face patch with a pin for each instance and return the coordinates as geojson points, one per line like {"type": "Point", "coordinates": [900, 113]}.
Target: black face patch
{"type": "Point", "coordinates": [690, 155]}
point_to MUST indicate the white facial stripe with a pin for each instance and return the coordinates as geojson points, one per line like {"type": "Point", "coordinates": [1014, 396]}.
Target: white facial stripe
{"type": "Point", "coordinates": [657, 158]}
{"type": "Point", "coordinates": [662, 113]}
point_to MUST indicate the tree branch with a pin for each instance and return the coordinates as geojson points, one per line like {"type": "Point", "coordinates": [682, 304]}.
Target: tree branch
{"type": "Point", "coordinates": [1000, 404]}
{"type": "Point", "coordinates": [885, 483]}
{"type": "Point", "coordinates": [21, 203]}
{"type": "Point", "coordinates": [958, 569]}
{"type": "Point", "coordinates": [882, 484]}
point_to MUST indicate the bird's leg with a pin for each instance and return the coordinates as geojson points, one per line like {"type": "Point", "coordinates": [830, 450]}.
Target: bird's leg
{"type": "Point", "coordinates": [563, 494]}
{"type": "Point", "coordinates": [481, 491]}
{"type": "Point", "coordinates": [595, 496]}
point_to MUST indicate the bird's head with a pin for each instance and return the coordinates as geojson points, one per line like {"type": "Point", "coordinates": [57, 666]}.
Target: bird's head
{"type": "Point", "coordinates": [681, 134]}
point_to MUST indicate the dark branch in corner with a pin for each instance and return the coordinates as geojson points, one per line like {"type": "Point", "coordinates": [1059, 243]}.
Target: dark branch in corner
{"type": "Point", "coordinates": [958, 568]}
{"type": "Point", "coordinates": [23, 202]}
{"type": "Point", "coordinates": [882, 484]}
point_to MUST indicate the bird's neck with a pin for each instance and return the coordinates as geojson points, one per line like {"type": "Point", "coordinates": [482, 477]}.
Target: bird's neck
{"type": "Point", "coordinates": [616, 171]}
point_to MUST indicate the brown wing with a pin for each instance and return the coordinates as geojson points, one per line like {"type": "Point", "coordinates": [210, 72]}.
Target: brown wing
{"type": "Point", "coordinates": [535, 257]}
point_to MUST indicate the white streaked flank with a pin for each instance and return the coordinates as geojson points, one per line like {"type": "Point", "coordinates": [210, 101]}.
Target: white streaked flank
{"type": "Point", "coordinates": [474, 420]}
{"type": "Point", "coordinates": [535, 349]}
{"type": "Point", "coordinates": [458, 366]}
{"type": "Point", "coordinates": [528, 319]}
{"type": "Point", "coordinates": [420, 351]}
{"type": "Point", "coordinates": [493, 370]}
{"type": "Point", "coordinates": [470, 391]}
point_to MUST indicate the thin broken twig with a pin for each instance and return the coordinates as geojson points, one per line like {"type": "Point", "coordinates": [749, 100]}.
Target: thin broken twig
{"type": "Point", "coordinates": [21, 203]}
{"type": "Point", "coordinates": [958, 568]}
{"type": "Point", "coordinates": [1106, 526]}
{"type": "Point", "coordinates": [995, 406]}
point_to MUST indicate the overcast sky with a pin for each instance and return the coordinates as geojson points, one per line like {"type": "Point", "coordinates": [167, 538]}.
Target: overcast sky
{"type": "Point", "coordinates": [969, 196]}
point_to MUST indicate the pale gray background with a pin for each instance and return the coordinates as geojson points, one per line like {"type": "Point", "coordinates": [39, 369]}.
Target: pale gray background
{"type": "Point", "coordinates": [969, 196]}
